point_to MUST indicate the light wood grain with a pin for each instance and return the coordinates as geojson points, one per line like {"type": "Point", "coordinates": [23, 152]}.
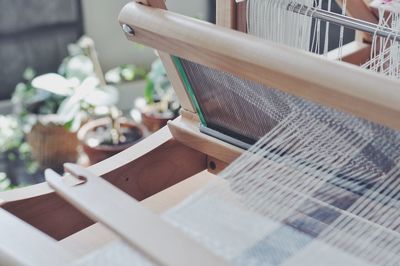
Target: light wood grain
{"type": "Point", "coordinates": [141, 171]}
{"type": "Point", "coordinates": [97, 235]}
{"type": "Point", "coordinates": [176, 82]}
{"type": "Point", "coordinates": [187, 132]}
{"type": "Point", "coordinates": [173, 74]}
{"type": "Point", "coordinates": [359, 9]}
{"type": "Point", "coordinates": [167, 165]}
{"type": "Point", "coordinates": [226, 13]}
{"type": "Point", "coordinates": [335, 84]}
{"type": "Point", "coordinates": [241, 16]}
{"type": "Point", "coordinates": [141, 228]}
{"type": "Point", "coordinates": [22, 244]}
{"type": "Point", "coordinates": [356, 53]}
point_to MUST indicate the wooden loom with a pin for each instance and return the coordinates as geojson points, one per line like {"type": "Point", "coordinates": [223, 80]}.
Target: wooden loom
{"type": "Point", "coordinates": [66, 218]}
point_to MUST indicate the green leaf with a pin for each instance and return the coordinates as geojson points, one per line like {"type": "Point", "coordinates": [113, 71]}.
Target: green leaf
{"type": "Point", "coordinates": [68, 125]}
{"type": "Point", "coordinates": [29, 74]}
{"type": "Point", "coordinates": [141, 73]}
{"type": "Point", "coordinates": [148, 91]}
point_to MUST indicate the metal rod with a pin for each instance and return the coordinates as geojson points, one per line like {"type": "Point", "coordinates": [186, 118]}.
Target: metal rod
{"type": "Point", "coordinates": [225, 138]}
{"type": "Point", "coordinates": [345, 21]}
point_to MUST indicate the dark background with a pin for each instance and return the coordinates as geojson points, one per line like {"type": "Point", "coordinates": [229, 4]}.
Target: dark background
{"type": "Point", "coordinates": [35, 33]}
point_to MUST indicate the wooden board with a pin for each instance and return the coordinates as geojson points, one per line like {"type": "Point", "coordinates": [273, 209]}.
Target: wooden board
{"type": "Point", "coordinates": [187, 132]}
{"type": "Point", "coordinates": [22, 244]}
{"type": "Point", "coordinates": [241, 16]}
{"type": "Point", "coordinates": [356, 53]}
{"type": "Point", "coordinates": [146, 168]}
{"type": "Point", "coordinates": [226, 13]}
{"type": "Point", "coordinates": [145, 231]}
{"type": "Point", "coordinates": [172, 72]}
{"type": "Point", "coordinates": [97, 235]}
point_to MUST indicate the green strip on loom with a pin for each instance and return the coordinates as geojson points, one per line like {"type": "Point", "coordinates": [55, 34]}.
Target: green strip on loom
{"type": "Point", "coordinates": [188, 87]}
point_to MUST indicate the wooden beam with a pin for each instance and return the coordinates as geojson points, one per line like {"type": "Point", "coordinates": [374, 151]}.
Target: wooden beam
{"type": "Point", "coordinates": [22, 244]}
{"type": "Point", "coordinates": [359, 9]}
{"type": "Point", "coordinates": [241, 16]}
{"type": "Point", "coordinates": [356, 53]}
{"type": "Point", "coordinates": [187, 132]}
{"type": "Point", "coordinates": [92, 238]}
{"type": "Point", "coordinates": [157, 240]}
{"type": "Point", "coordinates": [177, 83]}
{"type": "Point", "coordinates": [226, 13]}
{"type": "Point", "coordinates": [335, 84]}
{"type": "Point", "coordinates": [142, 170]}
{"type": "Point", "coordinates": [172, 72]}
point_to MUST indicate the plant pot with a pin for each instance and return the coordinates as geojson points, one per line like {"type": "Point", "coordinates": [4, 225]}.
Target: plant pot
{"type": "Point", "coordinates": [52, 145]}
{"type": "Point", "coordinates": [98, 152]}
{"type": "Point", "coordinates": [154, 121]}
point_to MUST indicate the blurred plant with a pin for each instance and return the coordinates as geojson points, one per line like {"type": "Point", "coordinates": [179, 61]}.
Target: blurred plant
{"type": "Point", "coordinates": [11, 134]}
{"type": "Point", "coordinates": [159, 94]}
{"type": "Point", "coordinates": [70, 95]}
{"type": "Point", "coordinates": [5, 182]}
{"type": "Point", "coordinates": [14, 147]}
{"type": "Point", "coordinates": [29, 100]}
{"type": "Point", "coordinates": [125, 73]}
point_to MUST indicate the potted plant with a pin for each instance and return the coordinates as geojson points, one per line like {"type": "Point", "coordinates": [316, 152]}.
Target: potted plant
{"type": "Point", "coordinates": [52, 106]}
{"type": "Point", "coordinates": [160, 103]}
{"type": "Point", "coordinates": [105, 137]}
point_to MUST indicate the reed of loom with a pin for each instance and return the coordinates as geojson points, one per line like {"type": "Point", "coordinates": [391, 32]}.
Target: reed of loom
{"type": "Point", "coordinates": [178, 160]}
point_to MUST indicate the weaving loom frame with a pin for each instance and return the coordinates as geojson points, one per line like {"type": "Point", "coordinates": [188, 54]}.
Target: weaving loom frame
{"type": "Point", "coordinates": [187, 148]}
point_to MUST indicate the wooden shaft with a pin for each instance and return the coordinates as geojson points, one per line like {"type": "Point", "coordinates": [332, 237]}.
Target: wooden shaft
{"type": "Point", "coordinates": [335, 84]}
{"type": "Point", "coordinates": [226, 13]}
{"type": "Point", "coordinates": [22, 244]}
{"type": "Point", "coordinates": [145, 231]}
{"type": "Point", "coordinates": [169, 65]}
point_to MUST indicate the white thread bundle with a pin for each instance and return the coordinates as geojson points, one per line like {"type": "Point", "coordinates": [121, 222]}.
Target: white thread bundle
{"type": "Point", "coordinates": [385, 53]}
{"type": "Point", "coordinates": [271, 20]}
{"type": "Point", "coordinates": [276, 21]}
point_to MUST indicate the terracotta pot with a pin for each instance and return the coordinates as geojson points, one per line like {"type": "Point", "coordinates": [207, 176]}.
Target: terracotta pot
{"type": "Point", "coordinates": [98, 153]}
{"type": "Point", "coordinates": [52, 145]}
{"type": "Point", "coordinates": [154, 122]}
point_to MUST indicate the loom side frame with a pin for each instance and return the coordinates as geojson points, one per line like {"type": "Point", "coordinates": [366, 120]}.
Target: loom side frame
{"type": "Point", "coordinates": [335, 84]}
{"type": "Point", "coordinates": [182, 133]}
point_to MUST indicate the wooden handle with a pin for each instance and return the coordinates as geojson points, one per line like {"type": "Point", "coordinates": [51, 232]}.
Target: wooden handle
{"type": "Point", "coordinates": [145, 231]}
{"type": "Point", "coordinates": [335, 84]}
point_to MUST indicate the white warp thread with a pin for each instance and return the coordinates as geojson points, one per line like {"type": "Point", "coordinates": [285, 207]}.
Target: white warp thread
{"type": "Point", "coordinates": [385, 53]}
{"type": "Point", "coordinates": [321, 183]}
{"type": "Point", "coordinates": [321, 188]}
